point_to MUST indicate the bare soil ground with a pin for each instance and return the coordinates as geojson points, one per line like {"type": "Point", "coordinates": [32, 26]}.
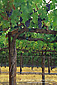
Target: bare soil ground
{"type": "Point", "coordinates": [29, 79]}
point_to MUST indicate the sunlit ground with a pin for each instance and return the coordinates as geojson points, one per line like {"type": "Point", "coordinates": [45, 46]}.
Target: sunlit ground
{"type": "Point", "coordinates": [50, 79]}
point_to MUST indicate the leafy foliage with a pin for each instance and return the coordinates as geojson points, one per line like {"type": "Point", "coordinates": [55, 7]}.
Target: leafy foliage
{"type": "Point", "coordinates": [32, 13]}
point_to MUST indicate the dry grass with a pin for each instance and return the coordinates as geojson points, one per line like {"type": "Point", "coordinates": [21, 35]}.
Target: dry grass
{"type": "Point", "coordinates": [50, 79]}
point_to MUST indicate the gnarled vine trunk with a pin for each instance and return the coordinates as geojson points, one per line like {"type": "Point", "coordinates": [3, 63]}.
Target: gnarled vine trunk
{"type": "Point", "coordinates": [12, 61]}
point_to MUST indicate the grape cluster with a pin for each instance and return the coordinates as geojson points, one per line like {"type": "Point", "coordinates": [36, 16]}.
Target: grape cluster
{"type": "Point", "coordinates": [27, 23]}
{"type": "Point", "coordinates": [39, 22]}
{"type": "Point", "coordinates": [9, 13]}
{"type": "Point", "coordinates": [48, 7]}
{"type": "Point", "coordinates": [32, 12]}
{"type": "Point", "coordinates": [21, 19]}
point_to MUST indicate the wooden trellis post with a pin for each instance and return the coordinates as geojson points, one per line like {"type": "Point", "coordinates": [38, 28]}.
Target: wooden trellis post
{"type": "Point", "coordinates": [12, 61]}
{"type": "Point", "coordinates": [43, 69]}
{"type": "Point", "coordinates": [49, 64]}
{"type": "Point", "coordinates": [32, 62]}
{"type": "Point", "coordinates": [21, 63]}
{"type": "Point", "coordinates": [0, 70]}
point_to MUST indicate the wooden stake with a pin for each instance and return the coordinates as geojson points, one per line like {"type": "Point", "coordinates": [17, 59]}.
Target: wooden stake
{"type": "Point", "coordinates": [20, 63]}
{"type": "Point", "coordinates": [0, 70]}
{"type": "Point", "coordinates": [32, 62]}
{"type": "Point", "coordinates": [43, 69]}
{"type": "Point", "coordinates": [49, 65]}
